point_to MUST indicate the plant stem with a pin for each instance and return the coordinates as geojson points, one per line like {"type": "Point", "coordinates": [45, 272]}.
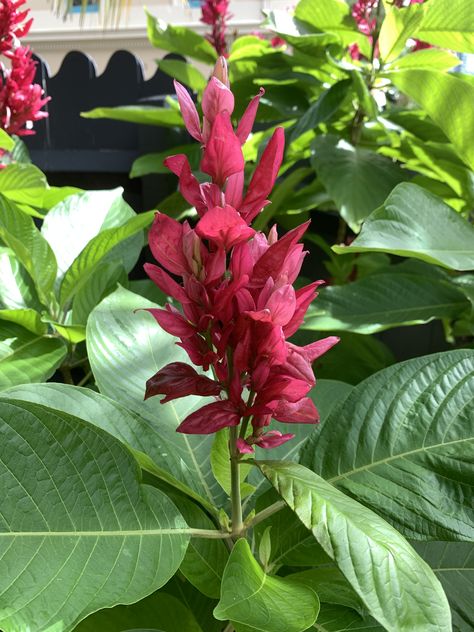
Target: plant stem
{"type": "Point", "coordinates": [229, 627]}
{"type": "Point", "coordinates": [237, 522]}
{"type": "Point", "coordinates": [209, 534]}
{"type": "Point", "coordinates": [269, 511]}
{"type": "Point", "coordinates": [85, 379]}
{"type": "Point", "coordinates": [66, 373]}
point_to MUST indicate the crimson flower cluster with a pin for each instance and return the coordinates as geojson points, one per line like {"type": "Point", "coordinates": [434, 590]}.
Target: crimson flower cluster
{"type": "Point", "coordinates": [235, 285]}
{"type": "Point", "coordinates": [364, 13]}
{"type": "Point", "coordinates": [21, 100]}
{"type": "Point", "coordinates": [216, 13]}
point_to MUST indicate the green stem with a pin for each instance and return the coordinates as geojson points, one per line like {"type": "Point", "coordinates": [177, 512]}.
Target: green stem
{"type": "Point", "coordinates": [269, 511]}
{"type": "Point", "coordinates": [237, 522]}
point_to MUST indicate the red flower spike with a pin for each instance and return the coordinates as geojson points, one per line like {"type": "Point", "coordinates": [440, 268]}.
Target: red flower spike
{"type": "Point", "coordinates": [188, 185]}
{"type": "Point", "coordinates": [224, 227]}
{"type": "Point", "coordinates": [246, 122]}
{"type": "Point", "coordinates": [211, 418]}
{"type": "Point", "coordinates": [166, 244]}
{"type": "Point", "coordinates": [171, 321]}
{"type": "Point", "coordinates": [216, 98]}
{"type": "Point", "coordinates": [166, 283]}
{"type": "Point", "coordinates": [177, 380]}
{"type": "Point", "coordinates": [223, 154]}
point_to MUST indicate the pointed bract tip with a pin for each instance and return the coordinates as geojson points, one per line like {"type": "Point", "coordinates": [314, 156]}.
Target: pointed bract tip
{"type": "Point", "coordinates": [220, 71]}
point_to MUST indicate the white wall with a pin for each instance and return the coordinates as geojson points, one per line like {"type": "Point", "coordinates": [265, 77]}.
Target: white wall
{"type": "Point", "coordinates": [52, 37]}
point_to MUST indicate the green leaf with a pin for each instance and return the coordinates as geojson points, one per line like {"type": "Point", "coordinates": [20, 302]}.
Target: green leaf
{"type": "Point", "coordinates": [141, 435]}
{"type": "Point", "coordinates": [75, 221]}
{"type": "Point", "coordinates": [19, 233]}
{"type": "Point", "coordinates": [435, 233]}
{"type": "Point", "coordinates": [449, 25]}
{"type": "Point", "coordinates": [332, 16]}
{"type": "Point", "coordinates": [26, 357]}
{"type": "Point", "coordinates": [179, 39]}
{"type": "Point", "coordinates": [323, 109]}
{"type": "Point", "coordinates": [142, 114]}
{"type": "Point", "coordinates": [330, 585]}
{"type": "Point", "coordinates": [220, 460]}
{"type": "Point", "coordinates": [431, 58]}
{"type": "Point", "coordinates": [107, 538]}
{"type": "Point", "coordinates": [23, 184]}
{"type": "Point", "coordinates": [338, 619]}
{"type": "Point", "coordinates": [205, 559]}
{"type": "Point", "coordinates": [184, 73]}
{"type": "Point", "coordinates": [159, 611]}
{"type": "Point", "coordinates": [358, 180]}
{"type": "Point", "coordinates": [400, 295]}
{"type": "Point", "coordinates": [298, 35]}
{"type": "Point", "coordinates": [402, 443]}
{"type": "Point", "coordinates": [253, 599]}
{"type": "Point", "coordinates": [375, 559]}
{"type": "Point", "coordinates": [398, 26]}
{"type": "Point", "coordinates": [16, 286]}
{"type": "Point", "coordinates": [6, 141]}
{"type": "Point", "coordinates": [87, 262]}
{"type": "Point", "coordinates": [97, 287]}
{"type": "Point", "coordinates": [453, 563]}
{"type": "Point", "coordinates": [28, 318]}
{"type": "Point", "coordinates": [72, 333]}
{"type": "Point", "coordinates": [153, 163]}
{"type": "Point", "coordinates": [447, 100]}
{"type": "Point", "coordinates": [125, 348]}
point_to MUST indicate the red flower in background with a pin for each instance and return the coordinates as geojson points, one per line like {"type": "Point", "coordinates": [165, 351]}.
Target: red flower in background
{"type": "Point", "coordinates": [235, 285]}
{"type": "Point", "coordinates": [12, 24]}
{"type": "Point", "coordinates": [21, 99]}
{"type": "Point", "coordinates": [216, 13]}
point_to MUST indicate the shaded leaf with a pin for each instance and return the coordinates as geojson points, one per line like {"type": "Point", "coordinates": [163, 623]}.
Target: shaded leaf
{"type": "Point", "coordinates": [143, 114]}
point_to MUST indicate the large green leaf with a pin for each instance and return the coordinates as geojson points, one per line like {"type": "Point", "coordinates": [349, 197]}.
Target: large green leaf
{"type": "Point", "coordinates": [397, 27]}
{"type": "Point", "coordinates": [28, 318]}
{"type": "Point", "coordinates": [179, 39]}
{"type": "Point", "coordinates": [23, 184]}
{"type": "Point", "coordinates": [449, 24]}
{"type": "Point", "coordinates": [402, 443]}
{"type": "Point", "coordinates": [416, 223]}
{"type": "Point", "coordinates": [16, 286]}
{"type": "Point", "coordinates": [98, 286]}
{"type": "Point", "coordinates": [432, 58]}
{"type": "Point", "coordinates": [159, 612]}
{"type": "Point", "coordinates": [87, 262]}
{"type": "Point", "coordinates": [447, 100]}
{"type": "Point", "coordinates": [107, 539]}
{"type": "Point", "coordinates": [453, 563]}
{"type": "Point", "coordinates": [358, 180]}
{"type": "Point", "coordinates": [19, 233]}
{"type": "Point", "coordinates": [154, 163]}
{"type": "Point", "coordinates": [75, 221]}
{"type": "Point", "coordinates": [375, 559]}
{"type": "Point", "coordinates": [125, 349]}
{"type": "Point", "coordinates": [307, 41]}
{"type": "Point", "coordinates": [26, 357]}
{"type": "Point", "coordinates": [6, 141]}
{"type": "Point", "coordinates": [142, 114]}
{"type": "Point", "coordinates": [138, 433]}
{"type": "Point", "coordinates": [184, 73]}
{"type": "Point", "coordinates": [405, 294]}
{"type": "Point", "coordinates": [253, 600]}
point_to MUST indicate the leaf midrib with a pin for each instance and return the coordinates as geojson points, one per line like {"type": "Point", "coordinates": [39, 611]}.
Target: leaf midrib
{"type": "Point", "coordinates": [93, 534]}
{"type": "Point", "coordinates": [395, 457]}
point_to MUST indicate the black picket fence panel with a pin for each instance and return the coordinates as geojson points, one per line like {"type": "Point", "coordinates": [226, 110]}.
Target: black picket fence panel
{"type": "Point", "coordinates": [67, 143]}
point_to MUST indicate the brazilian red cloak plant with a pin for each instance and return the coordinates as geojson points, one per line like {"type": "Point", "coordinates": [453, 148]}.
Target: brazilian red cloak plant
{"type": "Point", "coordinates": [215, 13]}
{"type": "Point", "coordinates": [238, 303]}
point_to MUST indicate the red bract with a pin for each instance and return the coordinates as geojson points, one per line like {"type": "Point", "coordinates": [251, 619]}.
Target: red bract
{"type": "Point", "coordinates": [21, 100]}
{"type": "Point", "coordinates": [13, 24]}
{"type": "Point", "coordinates": [234, 285]}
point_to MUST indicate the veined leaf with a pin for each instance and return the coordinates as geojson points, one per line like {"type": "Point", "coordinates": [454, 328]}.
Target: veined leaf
{"type": "Point", "coordinates": [97, 287]}
{"type": "Point", "coordinates": [75, 221]}
{"type": "Point", "coordinates": [16, 286]}
{"type": "Point", "coordinates": [28, 318]}
{"type": "Point", "coordinates": [448, 102]}
{"type": "Point", "coordinates": [401, 295]}
{"type": "Point", "coordinates": [143, 114]}
{"type": "Point", "coordinates": [402, 443]}
{"type": "Point", "coordinates": [26, 357]}
{"type": "Point", "coordinates": [253, 600]}
{"type": "Point", "coordinates": [448, 25]}
{"type": "Point", "coordinates": [153, 163]}
{"type": "Point", "coordinates": [372, 555]}
{"type": "Point", "coordinates": [453, 563]}
{"type": "Point", "coordinates": [435, 233]}
{"type": "Point", "coordinates": [179, 39]}
{"type": "Point", "coordinates": [338, 619]}
{"type": "Point", "coordinates": [303, 39]}
{"type": "Point", "coordinates": [126, 347]}
{"type": "Point", "coordinates": [397, 27]}
{"type": "Point", "coordinates": [107, 538]}
{"type": "Point", "coordinates": [20, 234]}
{"type": "Point", "coordinates": [432, 58]}
{"type": "Point", "coordinates": [358, 180]}
{"type": "Point", "coordinates": [87, 261]}
{"type": "Point", "coordinates": [23, 184]}
{"type": "Point", "coordinates": [6, 141]}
